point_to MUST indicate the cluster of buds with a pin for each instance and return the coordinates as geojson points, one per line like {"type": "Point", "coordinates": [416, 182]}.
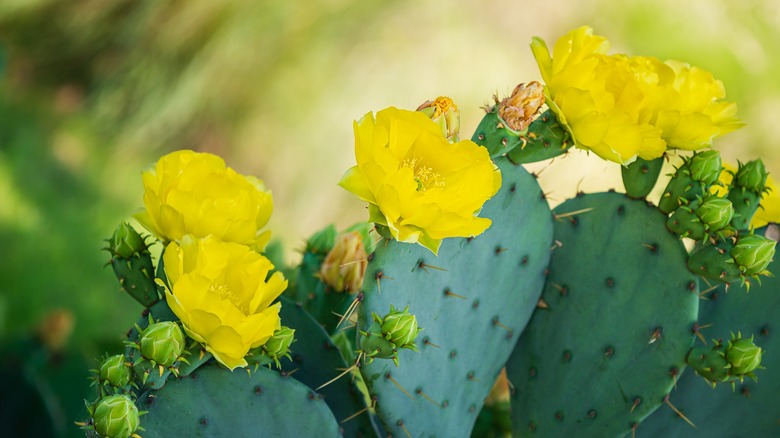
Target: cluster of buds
{"type": "Point", "coordinates": [729, 362]}
{"type": "Point", "coordinates": [388, 334]}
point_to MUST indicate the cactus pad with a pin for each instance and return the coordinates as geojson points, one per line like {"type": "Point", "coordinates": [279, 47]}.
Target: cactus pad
{"type": "Point", "coordinates": [615, 325]}
{"type": "Point", "coordinates": [751, 409]}
{"type": "Point", "coordinates": [215, 402]}
{"type": "Point", "coordinates": [472, 302]}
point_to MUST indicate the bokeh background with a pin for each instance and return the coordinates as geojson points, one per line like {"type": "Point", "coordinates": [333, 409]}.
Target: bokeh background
{"type": "Point", "coordinates": [94, 91]}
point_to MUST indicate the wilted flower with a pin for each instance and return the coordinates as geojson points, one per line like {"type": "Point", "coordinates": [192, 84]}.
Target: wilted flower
{"type": "Point", "coordinates": [522, 106]}
{"type": "Point", "coordinates": [417, 184]}
{"type": "Point", "coordinates": [195, 193]}
{"type": "Point", "coordinates": [222, 294]}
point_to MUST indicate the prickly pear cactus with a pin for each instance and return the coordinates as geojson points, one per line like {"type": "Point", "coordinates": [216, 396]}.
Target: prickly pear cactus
{"type": "Point", "coordinates": [213, 402]}
{"type": "Point", "coordinates": [472, 302]}
{"type": "Point", "coordinates": [751, 408]}
{"type": "Point", "coordinates": [611, 334]}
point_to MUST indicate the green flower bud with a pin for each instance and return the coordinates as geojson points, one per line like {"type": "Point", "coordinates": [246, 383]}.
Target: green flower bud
{"type": "Point", "coordinates": [279, 344]}
{"type": "Point", "coordinates": [116, 416]}
{"type": "Point", "coordinates": [743, 355]}
{"type": "Point", "coordinates": [444, 113]}
{"type": "Point", "coordinates": [162, 342]}
{"type": "Point", "coordinates": [751, 176]}
{"type": "Point", "coordinates": [753, 253]}
{"type": "Point", "coordinates": [126, 241]}
{"type": "Point", "coordinates": [715, 212]}
{"type": "Point", "coordinates": [114, 371]}
{"type": "Point", "coordinates": [705, 166]}
{"type": "Point", "coordinates": [400, 328]}
{"type": "Point", "coordinates": [374, 344]}
{"type": "Point", "coordinates": [710, 364]}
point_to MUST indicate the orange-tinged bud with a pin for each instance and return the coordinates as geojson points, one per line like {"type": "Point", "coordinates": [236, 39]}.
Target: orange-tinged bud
{"type": "Point", "coordinates": [345, 265]}
{"type": "Point", "coordinates": [445, 113]}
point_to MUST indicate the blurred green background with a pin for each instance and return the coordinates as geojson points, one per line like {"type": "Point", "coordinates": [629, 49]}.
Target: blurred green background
{"type": "Point", "coordinates": [94, 91]}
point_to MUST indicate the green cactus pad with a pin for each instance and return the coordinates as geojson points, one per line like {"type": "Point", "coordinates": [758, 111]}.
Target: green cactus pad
{"type": "Point", "coordinates": [136, 276]}
{"type": "Point", "coordinates": [619, 308]}
{"type": "Point", "coordinates": [640, 177]}
{"type": "Point", "coordinates": [215, 402]}
{"type": "Point", "coordinates": [751, 409]}
{"type": "Point", "coordinates": [545, 138]}
{"type": "Point", "coordinates": [472, 302]}
{"type": "Point", "coordinates": [315, 361]}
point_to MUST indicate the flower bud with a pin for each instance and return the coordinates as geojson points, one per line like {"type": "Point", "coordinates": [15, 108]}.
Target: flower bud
{"type": "Point", "coordinates": [279, 344]}
{"type": "Point", "coordinates": [753, 253]}
{"type": "Point", "coordinates": [400, 328]}
{"type": "Point", "coordinates": [345, 265]}
{"type": "Point", "coordinates": [374, 344]}
{"type": "Point", "coordinates": [444, 113]}
{"type": "Point", "coordinates": [522, 106]}
{"type": "Point", "coordinates": [114, 371]}
{"type": "Point", "coordinates": [715, 212]}
{"type": "Point", "coordinates": [743, 355]}
{"type": "Point", "coordinates": [752, 176]}
{"type": "Point", "coordinates": [125, 242]}
{"type": "Point", "coordinates": [705, 166]}
{"type": "Point", "coordinates": [116, 416]}
{"type": "Point", "coordinates": [710, 364]}
{"type": "Point", "coordinates": [162, 342]}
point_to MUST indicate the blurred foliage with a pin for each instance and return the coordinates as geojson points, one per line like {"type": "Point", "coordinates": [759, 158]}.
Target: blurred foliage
{"type": "Point", "coordinates": [92, 91]}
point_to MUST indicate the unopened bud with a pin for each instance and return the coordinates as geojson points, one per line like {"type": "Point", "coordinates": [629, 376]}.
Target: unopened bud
{"type": "Point", "coordinates": [125, 242]}
{"type": "Point", "coordinates": [114, 371]}
{"type": "Point", "coordinates": [753, 253]}
{"type": "Point", "coordinates": [751, 176]}
{"type": "Point", "coordinates": [715, 212]}
{"type": "Point", "coordinates": [522, 106]}
{"type": "Point", "coordinates": [444, 113]}
{"type": "Point", "coordinates": [743, 355]}
{"type": "Point", "coordinates": [162, 342]}
{"type": "Point", "coordinates": [278, 345]}
{"type": "Point", "coordinates": [116, 416]}
{"type": "Point", "coordinates": [344, 268]}
{"type": "Point", "coordinates": [400, 328]}
{"type": "Point", "coordinates": [705, 166]}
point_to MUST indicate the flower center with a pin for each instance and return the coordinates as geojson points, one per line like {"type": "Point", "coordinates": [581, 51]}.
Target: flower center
{"type": "Point", "coordinates": [225, 293]}
{"type": "Point", "coordinates": [425, 177]}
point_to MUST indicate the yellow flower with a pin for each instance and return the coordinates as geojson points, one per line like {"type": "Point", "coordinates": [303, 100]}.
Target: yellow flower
{"type": "Point", "coordinates": [417, 184]}
{"type": "Point", "coordinates": [220, 293]}
{"type": "Point", "coordinates": [195, 193]}
{"type": "Point", "coordinates": [597, 97]}
{"type": "Point", "coordinates": [624, 107]}
{"type": "Point", "coordinates": [694, 114]}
